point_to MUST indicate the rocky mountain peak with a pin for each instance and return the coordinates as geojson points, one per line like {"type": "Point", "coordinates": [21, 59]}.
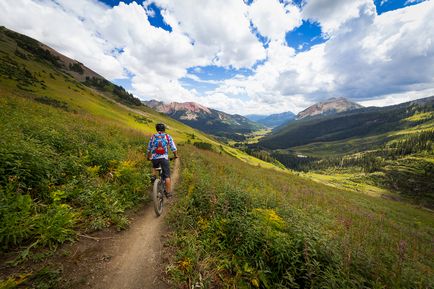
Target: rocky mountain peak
{"type": "Point", "coordinates": [330, 106]}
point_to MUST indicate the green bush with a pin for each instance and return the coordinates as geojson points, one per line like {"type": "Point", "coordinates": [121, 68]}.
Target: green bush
{"type": "Point", "coordinates": [16, 217]}
{"type": "Point", "coordinates": [203, 145]}
{"type": "Point", "coordinates": [55, 225]}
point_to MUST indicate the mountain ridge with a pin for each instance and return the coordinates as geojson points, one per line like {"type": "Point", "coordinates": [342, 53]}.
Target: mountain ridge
{"type": "Point", "coordinates": [330, 106]}
{"type": "Point", "coordinates": [212, 121]}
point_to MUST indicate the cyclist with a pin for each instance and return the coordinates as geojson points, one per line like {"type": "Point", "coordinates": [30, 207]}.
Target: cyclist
{"type": "Point", "coordinates": [158, 153]}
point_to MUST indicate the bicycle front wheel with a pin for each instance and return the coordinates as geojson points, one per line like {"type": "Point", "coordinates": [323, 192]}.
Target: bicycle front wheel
{"type": "Point", "coordinates": [158, 197]}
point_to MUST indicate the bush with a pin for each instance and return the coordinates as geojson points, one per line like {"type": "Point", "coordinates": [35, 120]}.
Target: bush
{"type": "Point", "coordinates": [203, 145]}
{"type": "Point", "coordinates": [16, 217]}
{"type": "Point", "coordinates": [55, 225]}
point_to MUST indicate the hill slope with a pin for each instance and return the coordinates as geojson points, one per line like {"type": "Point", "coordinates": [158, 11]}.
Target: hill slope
{"type": "Point", "coordinates": [360, 123]}
{"type": "Point", "coordinates": [206, 119]}
{"type": "Point", "coordinates": [390, 147]}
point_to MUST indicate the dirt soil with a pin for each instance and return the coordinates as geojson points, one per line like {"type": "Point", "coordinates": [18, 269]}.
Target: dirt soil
{"type": "Point", "coordinates": [131, 259]}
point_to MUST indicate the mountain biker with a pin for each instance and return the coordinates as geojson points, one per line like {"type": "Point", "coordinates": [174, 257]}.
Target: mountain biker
{"type": "Point", "coordinates": [158, 153]}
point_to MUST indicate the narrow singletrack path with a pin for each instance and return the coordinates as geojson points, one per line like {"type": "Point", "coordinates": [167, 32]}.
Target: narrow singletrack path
{"type": "Point", "coordinates": [135, 255]}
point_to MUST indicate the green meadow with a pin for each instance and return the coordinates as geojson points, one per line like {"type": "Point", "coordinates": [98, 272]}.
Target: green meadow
{"type": "Point", "coordinates": [240, 226]}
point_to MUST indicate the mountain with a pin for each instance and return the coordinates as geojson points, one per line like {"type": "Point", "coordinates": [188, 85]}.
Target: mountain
{"type": "Point", "coordinates": [272, 120]}
{"type": "Point", "coordinates": [330, 106]}
{"type": "Point", "coordinates": [212, 121]}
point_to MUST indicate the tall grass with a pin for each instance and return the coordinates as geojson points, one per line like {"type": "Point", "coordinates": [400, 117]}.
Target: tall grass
{"type": "Point", "coordinates": [238, 226]}
{"type": "Point", "coordinates": [63, 171]}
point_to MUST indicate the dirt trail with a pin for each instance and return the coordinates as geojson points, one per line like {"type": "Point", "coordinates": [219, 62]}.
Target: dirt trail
{"type": "Point", "coordinates": [131, 260]}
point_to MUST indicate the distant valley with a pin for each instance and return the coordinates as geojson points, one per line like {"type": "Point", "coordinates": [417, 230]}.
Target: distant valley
{"type": "Point", "coordinates": [273, 120]}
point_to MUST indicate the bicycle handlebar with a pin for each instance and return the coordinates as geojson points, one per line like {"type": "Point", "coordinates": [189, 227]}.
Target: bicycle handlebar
{"type": "Point", "coordinates": [170, 159]}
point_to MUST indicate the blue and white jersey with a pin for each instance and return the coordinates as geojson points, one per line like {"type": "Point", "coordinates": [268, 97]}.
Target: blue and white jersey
{"type": "Point", "coordinates": [164, 140]}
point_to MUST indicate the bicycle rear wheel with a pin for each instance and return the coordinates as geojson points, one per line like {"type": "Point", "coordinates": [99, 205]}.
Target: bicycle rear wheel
{"type": "Point", "coordinates": [158, 197]}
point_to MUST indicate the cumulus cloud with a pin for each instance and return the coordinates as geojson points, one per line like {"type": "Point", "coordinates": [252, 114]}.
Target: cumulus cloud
{"type": "Point", "coordinates": [273, 19]}
{"type": "Point", "coordinates": [332, 14]}
{"type": "Point", "coordinates": [220, 30]}
{"type": "Point", "coordinates": [378, 55]}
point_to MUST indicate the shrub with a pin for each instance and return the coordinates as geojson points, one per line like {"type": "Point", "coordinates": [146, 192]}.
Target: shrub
{"type": "Point", "coordinates": [203, 145]}
{"type": "Point", "coordinates": [16, 217]}
{"type": "Point", "coordinates": [55, 225]}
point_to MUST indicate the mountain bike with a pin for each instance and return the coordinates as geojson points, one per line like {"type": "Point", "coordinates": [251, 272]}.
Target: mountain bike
{"type": "Point", "coordinates": [159, 191]}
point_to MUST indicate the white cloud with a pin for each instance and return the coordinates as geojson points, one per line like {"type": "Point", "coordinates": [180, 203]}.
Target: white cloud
{"type": "Point", "coordinates": [273, 19]}
{"type": "Point", "coordinates": [385, 54]}
{"type": "Point", "coordinates": [413, 1]}
{"type": "Point", "coordinates": [147, 49]}
{"type": "Point", "coordinates": [219, 30]}
{"type": "Point", "coordinates": [396, 98]}
{"type": "Point", "coordinates": [332, 14]}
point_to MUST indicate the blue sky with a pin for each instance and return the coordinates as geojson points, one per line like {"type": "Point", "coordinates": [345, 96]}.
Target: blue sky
{"type": "Point", "coordinates": [256, 56]}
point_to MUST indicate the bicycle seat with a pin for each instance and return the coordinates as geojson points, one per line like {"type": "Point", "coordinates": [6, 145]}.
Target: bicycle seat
{"type": "Point", "coordinates": [158, 169]}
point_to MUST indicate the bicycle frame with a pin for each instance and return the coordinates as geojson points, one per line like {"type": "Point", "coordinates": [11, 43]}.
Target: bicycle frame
{"type": "Point", "coordinates": [158, 192]}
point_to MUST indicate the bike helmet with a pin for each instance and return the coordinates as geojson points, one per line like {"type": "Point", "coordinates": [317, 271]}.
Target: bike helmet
{"type": "Point", "coordinates": [160, 127]}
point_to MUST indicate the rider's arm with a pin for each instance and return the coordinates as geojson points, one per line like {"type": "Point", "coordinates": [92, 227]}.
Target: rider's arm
{"type": "Point", "coordinates": [173, 146]}
{"type": "Point", "coordinates": [149, 149]}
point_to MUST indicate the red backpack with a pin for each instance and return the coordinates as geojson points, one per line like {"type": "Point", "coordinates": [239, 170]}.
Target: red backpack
{"type": "Point", "coordinates": [161, 142]}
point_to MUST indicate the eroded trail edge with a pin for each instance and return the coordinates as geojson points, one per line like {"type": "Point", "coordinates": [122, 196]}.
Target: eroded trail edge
{"type": "Point", "coordinates": [132, 259]}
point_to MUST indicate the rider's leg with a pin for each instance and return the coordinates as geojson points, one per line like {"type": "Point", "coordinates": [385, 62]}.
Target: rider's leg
{"type": "Point", "coordinates": [153, 175]}
{"type": "Point", "coordinates": [168, 185]}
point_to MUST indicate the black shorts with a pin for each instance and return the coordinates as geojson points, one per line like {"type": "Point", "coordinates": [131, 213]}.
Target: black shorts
{"type": "Point", "coordinates": [164, 165]}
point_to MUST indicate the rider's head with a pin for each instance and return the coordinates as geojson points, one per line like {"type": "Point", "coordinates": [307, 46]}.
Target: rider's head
{"type": "Point", "coordinates": [160, 127]}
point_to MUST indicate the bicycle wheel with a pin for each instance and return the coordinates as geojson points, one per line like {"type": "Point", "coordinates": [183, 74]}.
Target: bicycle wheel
{"type": "Point", "coordinates": [157, 197]}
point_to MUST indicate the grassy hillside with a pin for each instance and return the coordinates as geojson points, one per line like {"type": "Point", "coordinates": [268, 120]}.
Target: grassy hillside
{"type": "Point", "coordinates": [239, 226]}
